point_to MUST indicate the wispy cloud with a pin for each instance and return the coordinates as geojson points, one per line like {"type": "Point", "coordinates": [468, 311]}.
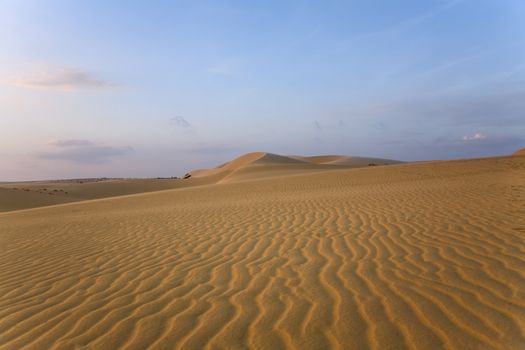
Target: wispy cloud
{"type": "Point", "coordinates": [400, 27]}
{"type": "Point", "coordinates": [475, 137]}
{"type": "Point", "coordinates": [180, 122]}
{"type": "Point", "coordinates": [415, 21]}
{"type": "Point", "coordinates": [82, 151]}
{"type": "Point", "coordinates": [69, 143]}
{"type": "Point", "coordinates": [329, 125]}
{"type": "Point", "coordinates": [60, 78]}
{"type": "Point", "coordinates": [379, 125]}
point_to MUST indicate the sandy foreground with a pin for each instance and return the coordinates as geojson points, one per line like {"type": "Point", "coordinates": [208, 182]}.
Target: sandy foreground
{"type": "Point", "coordinates": [411, 256]}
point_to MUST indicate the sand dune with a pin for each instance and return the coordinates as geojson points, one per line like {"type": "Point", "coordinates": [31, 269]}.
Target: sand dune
{"type": "Point", "coordinates": [520, 152]}
{"type": "Point", "coordinates": [251, 166]}
{"type": "Point", "coordinates": [249, 159]}
{"type": "Point", "coordinates": [417, 256]}
{"type": "Point", "coordinates": [349, 161]}
{"type": "Point", "coordinates": [259, 165]}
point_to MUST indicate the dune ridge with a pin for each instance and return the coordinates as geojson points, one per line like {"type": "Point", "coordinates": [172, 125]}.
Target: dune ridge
{"type": "Point", "coordinates": [416, 256]}
{"type": "Point", "coordinates": [259, 165]}
{"type": "Point", "coordinates": [248, 159]}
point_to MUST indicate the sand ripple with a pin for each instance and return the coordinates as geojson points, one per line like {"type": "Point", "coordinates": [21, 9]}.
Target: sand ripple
{"type": "Point", "coordinates": [424, 256]}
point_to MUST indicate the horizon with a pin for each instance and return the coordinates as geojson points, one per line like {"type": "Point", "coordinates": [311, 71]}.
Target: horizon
{"type": "Point", "coordinates": [121, 90]}
{"type": "Point", "coordinates": [181, 176]}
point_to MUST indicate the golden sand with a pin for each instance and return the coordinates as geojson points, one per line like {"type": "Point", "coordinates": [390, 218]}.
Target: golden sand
{"type": "Point", "coordinates": [520, 152]}
{"type": "Point", "coordinates": [413, 256]}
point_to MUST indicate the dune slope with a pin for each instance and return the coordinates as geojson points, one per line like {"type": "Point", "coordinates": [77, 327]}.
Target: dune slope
{"type": "Point", "coordinates": [247, 160]}
{"type": "Point", "coordinates": [348, 160]}
{"type": "Point", "coordinates": [520, 152]}
{"type": "Point", "coordinates": [418, 256]}
{"type": "Point", "coordinates": [258, 165]}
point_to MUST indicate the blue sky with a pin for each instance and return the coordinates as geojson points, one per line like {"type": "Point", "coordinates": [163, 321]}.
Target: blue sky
{"type": "Point", "coordinates": [156, 88]}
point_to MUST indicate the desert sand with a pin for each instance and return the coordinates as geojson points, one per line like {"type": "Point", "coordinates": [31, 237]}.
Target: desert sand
{"type": "Point", "coordinates": [274, 252]}
{"type": "Point", "coordinates": [520, 152]}
{"type": "Point", "coordinates": [25, 195]}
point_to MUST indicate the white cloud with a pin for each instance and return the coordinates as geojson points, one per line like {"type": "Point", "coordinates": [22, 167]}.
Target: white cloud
{"type": "Point", "coordinates": [476, 136]}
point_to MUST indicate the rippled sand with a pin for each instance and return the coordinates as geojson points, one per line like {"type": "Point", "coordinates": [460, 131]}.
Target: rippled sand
{"type": "Point", "coordinates": [416, 256]}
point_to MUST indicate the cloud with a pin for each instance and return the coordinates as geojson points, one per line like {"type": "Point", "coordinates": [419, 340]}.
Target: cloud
{"type": "Point", "coordinates": [476, 145]}
{"type": "Point", "coordinates": [61, 78]}
{"type": "Point", "coordinates": [329, 125]}
{"type": "Point", "coordinates": [480, 144]}
{"type": "Point", "coordinates": [379, 125]}
{"type": "Point", "coordinates": [180, 122]}
{"type": "Point", "coordinates": [415, 21]}
{"type": "Point", "coordinates": [69, 143]}
{"type": "Point", "coordinates": [82, 151]}
{"type": "Point", "coordinates": [475, 137]}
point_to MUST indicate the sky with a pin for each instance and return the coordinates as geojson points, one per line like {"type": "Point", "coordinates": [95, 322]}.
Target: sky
{"type": "Point", "coordinates": [156, 88]}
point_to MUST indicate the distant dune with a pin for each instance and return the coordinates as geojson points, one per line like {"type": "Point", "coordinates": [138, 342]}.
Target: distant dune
{"type": "Point", "coordinates": [258, 165]}
{"type": "Point", "coordinates": [261, 256]}
{"type": "Point", "coordinates": [25, 195]}
{"type": "Point", "coordinates": [249, 159]}
{"type": "Point", "coordinates": [255, 158]}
